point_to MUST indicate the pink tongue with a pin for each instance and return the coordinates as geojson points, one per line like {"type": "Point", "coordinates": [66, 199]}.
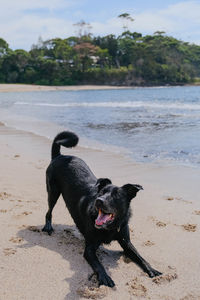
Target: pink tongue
{"type": "Point", "coordinates": [102, 218]}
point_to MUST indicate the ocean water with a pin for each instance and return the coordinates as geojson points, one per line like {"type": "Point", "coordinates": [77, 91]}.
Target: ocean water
{"type": "Point", "coordinates": [159, 125]}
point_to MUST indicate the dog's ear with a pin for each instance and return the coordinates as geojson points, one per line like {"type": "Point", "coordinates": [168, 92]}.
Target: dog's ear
{"type": "Point", "coordinates": [101, 182]}
{"type": "Point", "coordinates": [131, 190]}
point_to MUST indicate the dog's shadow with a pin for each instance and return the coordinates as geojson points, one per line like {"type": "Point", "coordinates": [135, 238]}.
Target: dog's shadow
{"type": "Point", "coordinates": [69, 243]}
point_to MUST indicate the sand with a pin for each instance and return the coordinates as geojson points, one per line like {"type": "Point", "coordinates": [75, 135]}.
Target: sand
{"type": "Point", "coordinates": [33, 88]}
{"type": "Point", "coordinates": [165, 228]}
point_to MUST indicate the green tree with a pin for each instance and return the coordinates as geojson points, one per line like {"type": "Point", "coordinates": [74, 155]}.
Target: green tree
{"type": "Point", "coordinates": [14, 65]}
{"type": "Point", "coordinates": [129, 59]}
{"type": "Point", "coordinates": [86, 55]}
{"type": "Point", "coordinates": [4, 48]}
{"type": "Point", "coordinates": [126, 19]}
{"type": "Point", "coordinates": [109, 42]}
{"type": "Point", "coordinates": [83, 29]}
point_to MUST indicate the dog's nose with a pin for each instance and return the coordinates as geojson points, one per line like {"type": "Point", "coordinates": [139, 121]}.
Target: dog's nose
{"type": "Point", "coordinates": [99, 202]}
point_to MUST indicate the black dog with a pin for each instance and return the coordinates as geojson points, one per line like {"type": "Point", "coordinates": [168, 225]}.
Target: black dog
{"type": "Point", "coordinates": [100, 210]}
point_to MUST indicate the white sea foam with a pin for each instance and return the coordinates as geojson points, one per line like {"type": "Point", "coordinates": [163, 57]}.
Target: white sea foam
{"type": "Point", "coordinates": [128, 104]}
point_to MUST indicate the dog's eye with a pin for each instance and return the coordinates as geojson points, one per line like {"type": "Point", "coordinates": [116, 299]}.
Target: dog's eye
{"type": "Point", "coordinates": [101, 193]}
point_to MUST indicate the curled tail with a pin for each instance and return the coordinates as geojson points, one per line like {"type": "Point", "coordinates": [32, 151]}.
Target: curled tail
{"type": "Point", "coordinates": [67, 139]}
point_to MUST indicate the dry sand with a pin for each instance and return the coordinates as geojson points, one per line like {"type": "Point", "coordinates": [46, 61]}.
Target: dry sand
{"type": "Point", "coordinates": [165, 229]}
{"type": "Point", "coordinates": [33, 88]}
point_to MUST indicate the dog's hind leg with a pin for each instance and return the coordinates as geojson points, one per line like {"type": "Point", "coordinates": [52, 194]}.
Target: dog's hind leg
{"type": "Point", "coordinates": [53, 195]}
{"type": "Point", "coordinates": [132, 253]}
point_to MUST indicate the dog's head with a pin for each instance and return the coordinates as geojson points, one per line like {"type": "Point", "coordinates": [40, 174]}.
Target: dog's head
{"type": "Point", "coordinates": [112, 203]}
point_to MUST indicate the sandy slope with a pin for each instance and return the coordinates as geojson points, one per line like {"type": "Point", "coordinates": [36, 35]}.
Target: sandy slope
{"type": "Point", "coordinates": [165, 228]}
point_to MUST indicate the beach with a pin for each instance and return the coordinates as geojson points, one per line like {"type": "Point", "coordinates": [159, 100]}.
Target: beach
{"type": "Point", "coordinates": [164, 227]}
{"type": "Point", "coordinates": [30, 88]}
{"type": "Point", "coordinates": [34, 88]}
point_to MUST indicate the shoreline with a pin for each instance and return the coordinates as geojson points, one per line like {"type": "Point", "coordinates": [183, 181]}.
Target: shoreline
{"type": "Point", "coordinates": [9, 87]}
{"type": "Point", "coordinates": [4, 88]}
{"type": "Point", "coordinates": [165, 223]}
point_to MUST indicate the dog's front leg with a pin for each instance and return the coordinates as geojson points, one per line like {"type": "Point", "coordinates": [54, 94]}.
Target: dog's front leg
{"type": "Point", "coordinates": [90, 256]}
{"type": "Point", "coordinates": [132, 253]}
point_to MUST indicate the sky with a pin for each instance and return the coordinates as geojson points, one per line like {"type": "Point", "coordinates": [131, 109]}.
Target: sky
{"type": "Point", "coordinates": [22, 22]}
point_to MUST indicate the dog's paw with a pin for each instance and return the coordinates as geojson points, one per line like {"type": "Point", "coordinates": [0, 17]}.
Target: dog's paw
{"type": "Point", "coordinates": [48, 228]}
{"type": "Point", "coordinates": [153, 273]}
{"type": "Point", "coordinates": [104, 279]}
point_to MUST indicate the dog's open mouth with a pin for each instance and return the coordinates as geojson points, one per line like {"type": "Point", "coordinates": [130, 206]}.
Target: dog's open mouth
{"type": "Point", "coordinates": [103, 218]}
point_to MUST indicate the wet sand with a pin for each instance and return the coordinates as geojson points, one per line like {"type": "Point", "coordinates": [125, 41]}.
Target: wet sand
{"type": "Point", "coordinates": [165, 228]}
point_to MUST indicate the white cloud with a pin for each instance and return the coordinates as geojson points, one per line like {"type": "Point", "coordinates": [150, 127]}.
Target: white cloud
{"type": "Point", "coordinates": [13, 6]}
{"type": "Point", "coordinates": [185, 10]}
{"type": "Point", "coordinates": [181, 20]}
{"type": "Point", "coordinates": [27, 31]}
{"type": "Point", "coordinates": [21, 22]}
{"type": "Point", "coordinates": [21, 26]}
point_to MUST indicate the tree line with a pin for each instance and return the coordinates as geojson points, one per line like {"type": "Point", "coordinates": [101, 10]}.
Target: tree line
{"type": "Point", "coordinates": [128, 59]}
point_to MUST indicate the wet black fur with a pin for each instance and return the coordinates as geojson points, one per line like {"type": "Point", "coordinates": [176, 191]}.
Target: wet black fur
{"type": "Point", "coordinates": [84, 194]}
